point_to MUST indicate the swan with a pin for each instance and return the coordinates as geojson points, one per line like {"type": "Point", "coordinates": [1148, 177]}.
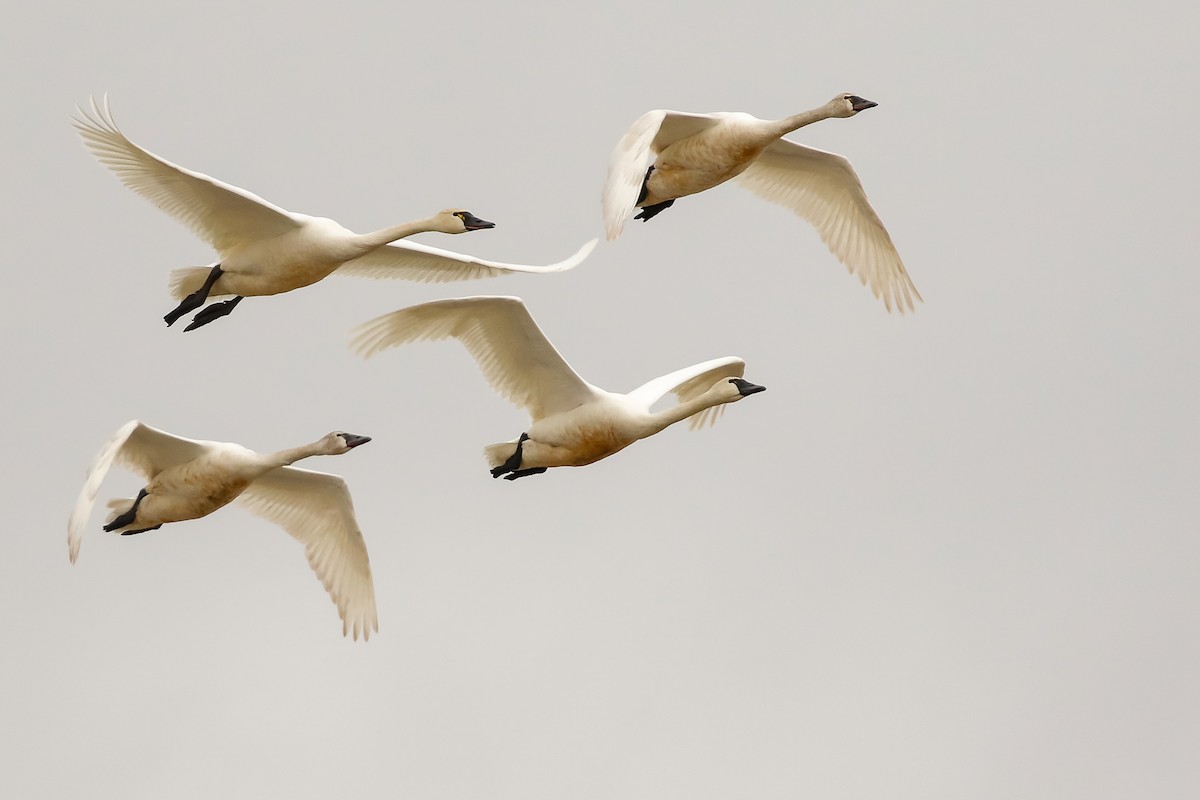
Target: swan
{"type": "Point", "coordinates": [666, 155]}
{"type": "Point", "coordinates": [189, 479]}
{"type": "Point", "coordinates": [266, 250]}
{"type": "Point", "coordinates": [573, 422]}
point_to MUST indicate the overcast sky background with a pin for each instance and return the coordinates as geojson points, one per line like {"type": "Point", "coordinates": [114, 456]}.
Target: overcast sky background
{"type": "Point", "coordinates": [946, 555]}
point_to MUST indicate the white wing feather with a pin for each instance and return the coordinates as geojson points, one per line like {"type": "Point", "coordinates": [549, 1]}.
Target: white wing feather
{"type": "Point", "coordinates": [824, 189]}
{"type": "Point", "coordinates": [417, 262]}
{"type": "Point", "coordinates": [316, 509]}
{"type": "Point", "coordinates": [217, 212]}
{"type": "Point", "coordinates": [145, 450]}
{"type": "Point", "coordinates": [691, 382]}
{"type": "Point", "coordinates": [634, 154]}
{"type": "Point", "coordinates": [515, 356]}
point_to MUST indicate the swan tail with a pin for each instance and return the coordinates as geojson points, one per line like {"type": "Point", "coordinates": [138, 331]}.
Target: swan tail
{"type": "Point", "coordinates": [497, 454]}
{"type": "Point", "coordinates": [187, 280]}
{"type": "Point", "coordinates": [116, 507]}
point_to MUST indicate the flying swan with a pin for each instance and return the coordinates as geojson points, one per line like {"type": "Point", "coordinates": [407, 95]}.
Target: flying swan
{"type": "Point", "coordinates": [266, 250]}
{"type": "Point", "coordinates": [573, 422]}
{"type": "Point", "coordinates": [189, 479]}
{"type": "Point", "coordinates": [666, 155]}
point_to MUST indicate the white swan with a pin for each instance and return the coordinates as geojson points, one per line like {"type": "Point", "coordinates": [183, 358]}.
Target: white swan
{"type": "Point", "coordinates": [573, 422]}
{"type": "Point", "coordinates": [670, 154]}
{"type": "Point", "coordinates": [188, 479]}
{"type": "Point", "coordinates": [264, 249]}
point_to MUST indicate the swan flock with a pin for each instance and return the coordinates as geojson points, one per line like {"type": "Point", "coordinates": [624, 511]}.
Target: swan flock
{"type": "Point", "coordinates": [263, 249]}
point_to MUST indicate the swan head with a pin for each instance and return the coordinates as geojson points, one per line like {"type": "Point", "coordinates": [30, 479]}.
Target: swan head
{"type": "Point", "coordinates": [339, 442]}
{"type": "Point", "coordinates": [730, 390]}
{"type": "Point", "coordinates": [459, 220]}
{"type": "Point", "coordinates": [847, 104]}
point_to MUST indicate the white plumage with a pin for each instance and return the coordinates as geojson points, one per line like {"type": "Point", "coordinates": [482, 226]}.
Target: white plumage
{"type": "Point", "coordinates": [573, 422]}
{"type": "Point", "coordinates": [686, 153]}
{"type": "Point", "coordinates": [188, 479]}
{"type": "Point", "coordinates": [264, 249]}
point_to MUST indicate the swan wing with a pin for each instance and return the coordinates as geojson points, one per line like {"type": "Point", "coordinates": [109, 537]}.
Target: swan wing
{"type": "Point", "coordinates": [418, 262]}
{"type": "Point", "coordinates": [691, 382]}
{"type": "Point", "coordinates": [515, 356]}
{"type": "Point", "coordinates": [145, 450]}
{"type": "Point", "coordinates": [634, 154]}
{"type": "Point", "coordinates": [316, 509]}
{"type": "Point", "coordinates": [221, 214]}
{"type": "Point", "coordinates": [824, 189]}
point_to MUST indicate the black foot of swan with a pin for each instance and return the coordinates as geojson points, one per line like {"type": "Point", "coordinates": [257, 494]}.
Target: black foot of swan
{"type": "Point", "coordinates": [657, 208]}
{"type": "Point", "coordinates": [514, 461]}
{"type": "Point", "coordinates": [215, 311]}
{"type": "Point", "coordinates": [128, 516]}
{"type": "Point", "coordinates": [521, 473]}
{"type": "Point", "coordinates": [195, 299]}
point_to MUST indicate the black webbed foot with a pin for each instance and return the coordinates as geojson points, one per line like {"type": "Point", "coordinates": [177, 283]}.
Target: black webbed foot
{"type": "Point", "coordinates": [521, 473]}
{"type": "Point", "coordinates": [514, 461]}
{"type": "Point", "coordinates": [213, 312]}
{"type": "Point", "coordinates": [143, 530]}
{"type": "Point", "coordinates": [189, 303]}
{"type": "Point", "coordinates": [128, 516]}
{"type": "Point", "coordinates": [651, 211]}
{"type": "Point", "coordinates": [195, 299]}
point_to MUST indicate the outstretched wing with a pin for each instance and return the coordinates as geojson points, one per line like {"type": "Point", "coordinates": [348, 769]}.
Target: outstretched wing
{"type": "Point", "coordinates": [824, 189]}
{"type": "Point", "coordinates": [221, 214]}
{"type": "Point", "coordinates": [691, 382]}
{"type": "Point", "coordinates": [516, 357]}
{"type": "Point", "coordinates": [418, 262]}
{"type": "Point", "coordinates": [634, 154]}
{"type": "Point", "coordinates": [316, 509]}
{"type": "Point", "coordinates": [145, 450]}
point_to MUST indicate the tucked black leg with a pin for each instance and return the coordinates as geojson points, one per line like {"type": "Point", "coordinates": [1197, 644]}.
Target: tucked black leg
{"type": "Point", "coordinates": [143, 530]}
{"type": "Point", "coordinates": [195, 299]}
{"type": "Point", "coordinates": [645, 189]}
{"type": "Point", "coordinates": [514, 461]}
{"type": "Point", "coordinates": [127, 517]}
{"type": "Point", "coordinates": [215, 311]}
{"type": "Point", "coordinates": [657, 208]}
{"type": "Point", "coordinates": [521, 473]}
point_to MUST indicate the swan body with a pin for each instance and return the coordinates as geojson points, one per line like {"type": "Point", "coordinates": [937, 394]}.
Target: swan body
{"type": "Point", "coordinates": [573, 422]}
{"type": "Point", "coordinates": [266, 250]}
{"type": "Point", "coordinates": [666, 155]}
{"type": "Point", "coordinates": [189, 479]}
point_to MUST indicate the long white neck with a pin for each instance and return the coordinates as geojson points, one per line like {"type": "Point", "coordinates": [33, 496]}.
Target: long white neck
{"type": "Point", "coordinates": [659, 420]}
{"type": "Point", "coordinates": [376, 239]}
{"type": "Point", "coordinates": [291, 455]}
{"type": "Point", "coordinates": [780, 127]}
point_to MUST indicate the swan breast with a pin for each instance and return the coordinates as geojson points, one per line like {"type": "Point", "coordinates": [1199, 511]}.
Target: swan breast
{"type": "Point", "coordinates": [294, 259]}
{"type": "Point", "coordinates": [199, 487]}
{"type": "Point", "coordinates": [581, 436]}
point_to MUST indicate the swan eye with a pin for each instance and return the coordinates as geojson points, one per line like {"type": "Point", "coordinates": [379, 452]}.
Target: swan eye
{"type": "Point", "coordinates": [461, 215]}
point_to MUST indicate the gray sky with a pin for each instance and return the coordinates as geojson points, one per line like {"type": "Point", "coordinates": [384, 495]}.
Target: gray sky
{"type": "Point", "coordinates": [946, 555]}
